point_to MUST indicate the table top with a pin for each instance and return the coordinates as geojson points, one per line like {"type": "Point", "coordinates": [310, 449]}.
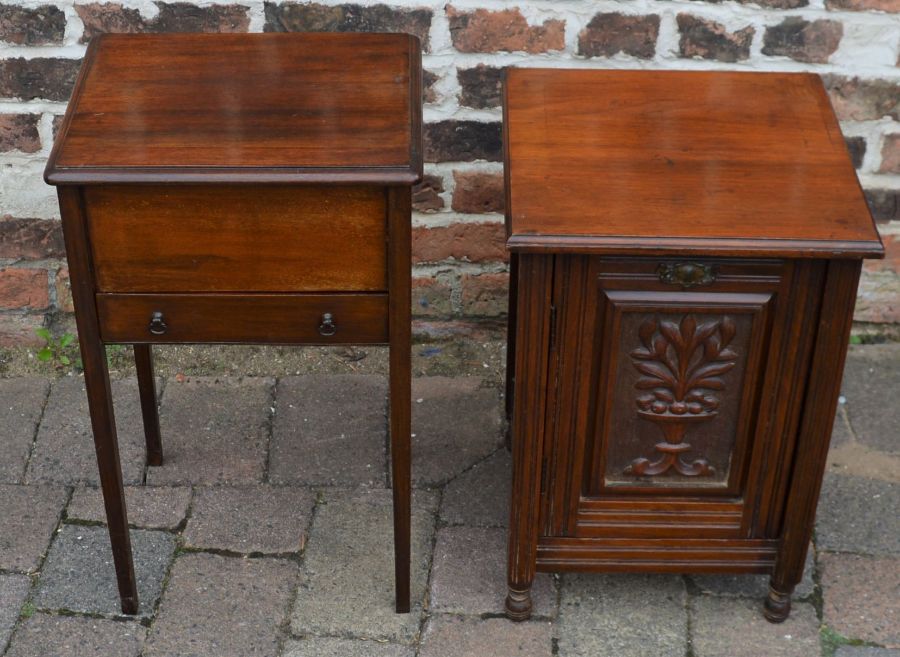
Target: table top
{"type": "Point", "coordinates": [244, 108]}
{"type": "Point", "coordinates": [692, 162]}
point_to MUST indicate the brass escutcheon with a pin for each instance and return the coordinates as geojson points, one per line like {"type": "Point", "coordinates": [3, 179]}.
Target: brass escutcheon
{"type": "Point", "coordinates": [686, 274]}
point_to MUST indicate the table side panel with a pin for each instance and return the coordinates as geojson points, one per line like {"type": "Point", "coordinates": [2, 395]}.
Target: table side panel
{"type": "Point", "coordinates": [237, 238]}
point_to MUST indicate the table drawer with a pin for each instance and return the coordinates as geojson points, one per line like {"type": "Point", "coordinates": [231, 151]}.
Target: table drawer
{"type": "Point", "coordinates": [259, 318]}
{"type": "Point", "coordinates": [198, 238]}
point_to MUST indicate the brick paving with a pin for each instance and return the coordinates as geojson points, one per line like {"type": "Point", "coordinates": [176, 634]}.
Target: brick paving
{"type": "Point", "coordinates": [21, 404]}
{"type": "Point", "coordinates": [267, 532]}
{"type": "Point", "coordinates": [461, 584]}
{"type": "Point", "coordinates": [223, 606]}
{"type": "Point", "coordinates": [259, 519]}
{"type": "Point", "coordinates": [149, 507]}
{"type": "Point", "coordinates": [45, 635]}
{"type": "Point", "coordinates": [865, 597]}
{"type": "Point", "coordinates": [13, 592]}
{"type": "Point", "coordinates": [623, 615]}
{"type": "Point", "coordinates": [64, 450]}
{"type": "Point", "coordinates": [78, 574]}
{"type": "Point", "coordinates": [733, 627]}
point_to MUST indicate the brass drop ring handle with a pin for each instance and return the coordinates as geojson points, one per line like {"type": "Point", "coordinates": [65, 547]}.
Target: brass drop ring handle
{"type": "Point", "coordinates": [327, 327]}
{"type": "Point", "coordinates": [686, 274]}
{"type": "Point", "coordinates": [157, 325]}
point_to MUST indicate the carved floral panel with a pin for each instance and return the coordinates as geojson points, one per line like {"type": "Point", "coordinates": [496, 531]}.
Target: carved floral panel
{"type": "Point", "coordinates": [676, 394]}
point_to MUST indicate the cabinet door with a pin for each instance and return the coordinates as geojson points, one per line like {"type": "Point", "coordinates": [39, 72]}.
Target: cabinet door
{"type": "Point", "coordinates": [667, 415]}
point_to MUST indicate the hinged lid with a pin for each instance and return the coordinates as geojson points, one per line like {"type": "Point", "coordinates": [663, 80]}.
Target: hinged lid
{"type": "Point", "coordinates": [698, 162]}
{"type": "Point", "coordinates": [244, 108]}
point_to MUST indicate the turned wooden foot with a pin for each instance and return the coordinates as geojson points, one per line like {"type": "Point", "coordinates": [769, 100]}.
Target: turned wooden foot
{"type": "Point", "coordinates": [777, 606]}
{"type": "Point", "coordinates": [518, 604]}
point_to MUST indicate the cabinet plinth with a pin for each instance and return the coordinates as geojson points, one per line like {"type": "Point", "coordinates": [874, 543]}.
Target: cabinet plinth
{"type": "Point", "coordinates": [686, 248]}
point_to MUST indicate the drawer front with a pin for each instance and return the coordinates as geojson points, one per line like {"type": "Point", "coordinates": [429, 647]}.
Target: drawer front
{"type": "Point", "coordinates": [236, 239]}
{"type": "Point", "coordinates": [255, 318]}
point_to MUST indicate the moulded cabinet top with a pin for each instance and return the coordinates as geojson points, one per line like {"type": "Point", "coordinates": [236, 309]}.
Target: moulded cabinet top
{"type": "Point", "coordinates": [679, 161]}
{"type": "Point", "coordinates": [244, 108]}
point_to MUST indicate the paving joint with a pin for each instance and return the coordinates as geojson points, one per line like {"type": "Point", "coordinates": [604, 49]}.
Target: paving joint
{"type": "Point", "coordinates": [285, 627]}
{"type": "Point", "coordinates": [37, 428]}
{"type": "Point", "coordinates": [270, 427]}
{"type": "Point", "coordinates": [691, 591]}
{"type": "Point", "coordinates": [426, 602]}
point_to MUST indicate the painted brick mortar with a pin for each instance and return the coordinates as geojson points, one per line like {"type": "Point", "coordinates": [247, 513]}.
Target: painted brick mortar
{"type": "Point", "coordinates": [855, 44]}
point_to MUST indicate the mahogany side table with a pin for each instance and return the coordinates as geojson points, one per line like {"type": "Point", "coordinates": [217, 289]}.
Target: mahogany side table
{"type": "Point", "coordinates": [686, 248]}
{"type": "Point", "coordinates": [240, 188]}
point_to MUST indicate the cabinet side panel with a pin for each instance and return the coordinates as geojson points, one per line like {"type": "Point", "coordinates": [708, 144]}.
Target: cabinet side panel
{"type": "Point", "coordinates": [785, 385]}
{"type": "Point", "coordinates": [820, 404]}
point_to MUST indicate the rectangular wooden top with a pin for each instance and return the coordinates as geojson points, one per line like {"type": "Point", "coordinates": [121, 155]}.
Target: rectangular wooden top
{"type": "Point", "coordinates": [668, 161]}
{"type": "Point", "coordinates": [244, 108]}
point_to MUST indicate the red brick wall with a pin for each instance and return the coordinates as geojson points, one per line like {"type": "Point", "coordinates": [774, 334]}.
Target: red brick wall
{"type": "Point", "coordinates": [460, 263]}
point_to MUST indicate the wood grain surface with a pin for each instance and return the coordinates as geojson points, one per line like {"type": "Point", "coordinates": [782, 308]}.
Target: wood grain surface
{"type": "Point", "coordinates": [213, 238]}
{"type": "Point", "coordinates": [695, 162]}
{"type": "Point", "coordinates": [246, 318]}
{"type": "Point", "coordinates": [266, 107]}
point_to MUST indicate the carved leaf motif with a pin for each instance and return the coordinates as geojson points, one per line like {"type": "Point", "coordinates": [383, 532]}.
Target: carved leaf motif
{"type": "Point", "coordinates": [684, 358]}
{"type": "Point", "coordinates": [713, 369]}
{"type": "Point", "coordinates": [728, 329]}
{"type": "Point", "coordinates": [688, 326]}
{"type": "Point", "coordinates": [712, 384]}
{"type": "Point", "coordinates": [705, 330]}
{"type": "Point", "coordinates": [671, 333]}
{"type": "Point", "coordinates": [659, 345]}
{"type": "Point", "coordinates": [657, 370]}
{"type": "Point", "coordinates": [646, 331]}
{"type": "Point", "coordinates": [711, 347]}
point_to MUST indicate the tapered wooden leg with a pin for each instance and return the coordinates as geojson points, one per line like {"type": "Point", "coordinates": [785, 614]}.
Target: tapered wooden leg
{"type": "Point", "coordinates": [531, 346]}
{"type": "Point", "coordinates": [143, 361]}
{"type": "Point", "coordinates": [399, 208]}
{"type": "Point", "coordinates": [96, 380]}
{"type": "Point", "coordinates": [820, 405]}
{"type": "Point", "coordinates": [400, 468]}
